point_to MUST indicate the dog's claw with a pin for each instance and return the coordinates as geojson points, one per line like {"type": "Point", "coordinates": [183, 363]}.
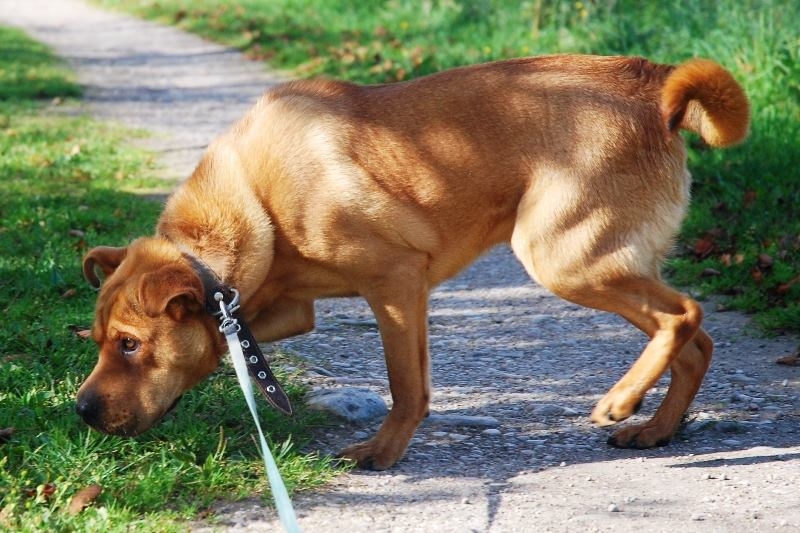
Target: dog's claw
{"type": "Point", "coordinates": [616, 406]}
{"type": "Point", "coordinates": [639, 437]}
{"type": "Point", "coordinates": [369, 456]}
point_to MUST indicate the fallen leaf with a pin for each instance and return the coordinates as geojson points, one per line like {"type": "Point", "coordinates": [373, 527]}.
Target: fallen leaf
{"type": "Point", "coordinates": [42, 492]}
{"type": "Point", "coordinates": [83, 499]}
{"type": "Point", "coordinates": [750, 197]}
{"type": "Point", "coordinates": [80, 331]}
{"type": "Point", "coordinates": [47, 490]}
{"type": "Point", "coordinates": [783, 288]}
{"type": "Point", "coordinates": [6, 434]}
{"type": "Point", "coordinates": [765, 261]}
{"type": "Point", "coordinates": [703, 247]}
{"type": "Point", "coordinates": [790, 360]}
{"type": "Point", "coordinates": [69, 293]}
{"type": "Point", "coordinates": [14, 357]}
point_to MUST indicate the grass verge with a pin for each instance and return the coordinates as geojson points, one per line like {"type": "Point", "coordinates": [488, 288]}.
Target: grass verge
{"type": "Point", "coordinates": [742, 237]}
{"type": "Point", "coordinates": [68, 184]}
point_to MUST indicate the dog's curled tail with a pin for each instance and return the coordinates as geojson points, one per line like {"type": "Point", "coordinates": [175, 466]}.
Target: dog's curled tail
{"type": "Point", "coordinates": [701, 96]}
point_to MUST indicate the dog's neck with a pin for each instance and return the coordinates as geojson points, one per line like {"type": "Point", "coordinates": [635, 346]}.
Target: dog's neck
{"type": "Point", "coordinates": [216, 217]}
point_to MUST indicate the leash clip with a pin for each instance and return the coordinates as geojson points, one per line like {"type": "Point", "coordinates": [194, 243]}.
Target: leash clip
{"type": "Point", "coordinates": [229, 325]}
{"type": "Point", "coordinates": [227, 310]}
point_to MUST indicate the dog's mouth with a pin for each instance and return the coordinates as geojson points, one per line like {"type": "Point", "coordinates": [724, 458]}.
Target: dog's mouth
{"type": "Point", "coordinates": [133, 427]}
{"type": "Point", "coordinates": [133, 430]}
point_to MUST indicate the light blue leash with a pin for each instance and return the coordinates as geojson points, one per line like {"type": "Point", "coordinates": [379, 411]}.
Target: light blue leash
{"type": "Point", "coordinates": [230, 328]}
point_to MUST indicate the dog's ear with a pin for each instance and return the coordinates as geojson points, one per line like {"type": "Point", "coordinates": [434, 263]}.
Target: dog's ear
{"type": "Point", "coordinates": [105, 257]}
{"type": "Point", "coordinates": [170, 284]}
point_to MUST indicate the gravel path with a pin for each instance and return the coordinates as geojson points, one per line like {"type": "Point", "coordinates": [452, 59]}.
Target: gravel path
{"type": "Point", "coordinates": [530, 365]}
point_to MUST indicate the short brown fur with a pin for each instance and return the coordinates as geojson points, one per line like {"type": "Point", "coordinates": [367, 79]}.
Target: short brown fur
{"type": "Point", "coordinates": [331, 189]}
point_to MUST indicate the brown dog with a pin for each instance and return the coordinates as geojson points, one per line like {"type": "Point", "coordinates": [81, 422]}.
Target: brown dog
{"type": "Point", "coordinates": [331, 189]}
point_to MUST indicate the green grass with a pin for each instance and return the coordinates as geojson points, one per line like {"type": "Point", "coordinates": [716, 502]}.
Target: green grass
{"type": "Point", "coordinates": [746, 200]}
{"type": "Point", "coordinates": [67, 184]}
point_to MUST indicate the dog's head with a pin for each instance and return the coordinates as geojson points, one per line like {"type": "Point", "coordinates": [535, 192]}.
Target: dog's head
{"type": "Point", "coordinates": [155, 339]}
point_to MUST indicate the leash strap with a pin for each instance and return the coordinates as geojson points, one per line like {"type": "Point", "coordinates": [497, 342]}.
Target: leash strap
{"type": "Point", "coordinates": [223, 302]}
{"type": "Point", "coordinates": [279, 494]}
{"type": "Point", "coordinates": [230, 328]}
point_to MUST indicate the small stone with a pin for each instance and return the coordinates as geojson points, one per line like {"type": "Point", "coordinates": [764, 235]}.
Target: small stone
{"type": "Point", "coordinates": [351, 403]}
{"type": "Point", "coordinates": [697, 517]}
{"type": "Point", "coordinates": [739, 397]}
{"type": "Point", "coordinates": [613, 508]}
{"type": "Point", "coordinates": [320, 371]}
{"type": "Point", "coordinates": [731, 442]}
{"type": "Point", "coordinates": [554, 410]}
{"type": "Point", "coordinates": [491, 432]}
{"type": "Point", "coordinates": [364, 323]}
{"type": "Point", "coordinates": [461, 420]}
{"type": "Point", "coordinates": [730, 426]}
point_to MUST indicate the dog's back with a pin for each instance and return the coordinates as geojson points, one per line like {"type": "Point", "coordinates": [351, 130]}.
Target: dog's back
{"type": "Point", "coordinates": [447, 158]}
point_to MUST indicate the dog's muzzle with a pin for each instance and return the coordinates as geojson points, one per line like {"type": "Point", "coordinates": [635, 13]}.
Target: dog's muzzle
{"type": "Point", "coordinates": [89, 407]}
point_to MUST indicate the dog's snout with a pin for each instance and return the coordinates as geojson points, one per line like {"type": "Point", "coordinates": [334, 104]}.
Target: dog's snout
{"type": "Point", "coordinates": [89, 407]}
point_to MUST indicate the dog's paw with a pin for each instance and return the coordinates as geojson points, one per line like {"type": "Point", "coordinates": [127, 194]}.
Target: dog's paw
{"type": "Point", "coordinates": [370, 455]}
{"type": "Point", "coordinates": [640, 436]}
{"type": "Point", "coordinates": [616, 406]}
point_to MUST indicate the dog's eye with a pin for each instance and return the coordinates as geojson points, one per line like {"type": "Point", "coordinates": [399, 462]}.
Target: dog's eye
{"type": "Point", "coordinates": [129, 346]}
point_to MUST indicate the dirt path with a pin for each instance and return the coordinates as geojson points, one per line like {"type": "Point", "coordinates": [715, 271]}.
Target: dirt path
{"type": "Point", "coordinates": [501, 346]}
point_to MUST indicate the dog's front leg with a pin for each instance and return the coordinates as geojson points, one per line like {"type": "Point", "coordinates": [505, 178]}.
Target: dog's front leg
{"type": "Point", "coordinates": [400, 308]}
{"type": "Point", "coordinates": [283, 318]}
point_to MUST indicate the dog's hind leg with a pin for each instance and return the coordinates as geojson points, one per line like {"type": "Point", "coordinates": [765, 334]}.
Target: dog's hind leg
{"type": "Point", "coordinates": [399, 301]}
{"type": "Point", "coordinates": [686, 375]}
{"type": "Point", "coordinates": [670, 319]}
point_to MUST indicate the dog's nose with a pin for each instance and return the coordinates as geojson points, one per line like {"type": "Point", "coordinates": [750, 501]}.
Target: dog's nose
{"type": "Point", "coordinates": [88, 406]}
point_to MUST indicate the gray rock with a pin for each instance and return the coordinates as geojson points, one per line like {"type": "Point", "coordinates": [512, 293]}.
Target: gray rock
{"type": "Point", "coordinates": [699, 425]}
{"type": "Point", "coordinates": [460, 420]}
{"type": "Point", "coordinates": [554, 410]}
{"type": "Point", "coordinates": [354, 404]}
{"type": "Point", "coordinates": [741, 378]}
